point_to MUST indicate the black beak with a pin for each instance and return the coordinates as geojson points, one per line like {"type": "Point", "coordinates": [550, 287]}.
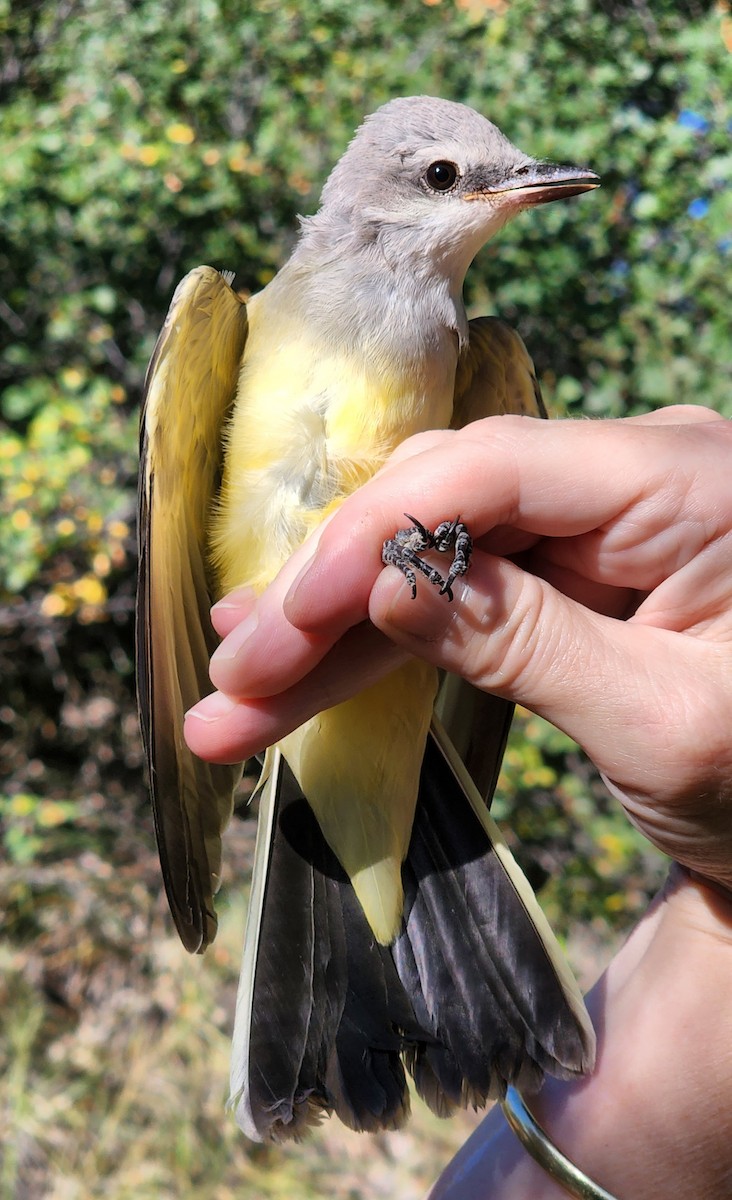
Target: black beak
{"type": "Point", "coordinates": [538, 183]}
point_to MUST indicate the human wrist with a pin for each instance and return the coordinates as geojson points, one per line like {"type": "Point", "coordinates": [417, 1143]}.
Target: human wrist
{"type": "Point", "coordinates": [648, 1121]}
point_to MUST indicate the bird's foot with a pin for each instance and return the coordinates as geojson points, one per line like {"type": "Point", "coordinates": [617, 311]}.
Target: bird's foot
{"type": "Point", "coordinates": [404, 550]}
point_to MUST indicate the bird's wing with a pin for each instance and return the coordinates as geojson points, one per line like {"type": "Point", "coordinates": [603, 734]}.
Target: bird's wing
{"type": "Point", "coordinates": [495, 375]}
{"type": "Point", "coordinates": [189, 390]}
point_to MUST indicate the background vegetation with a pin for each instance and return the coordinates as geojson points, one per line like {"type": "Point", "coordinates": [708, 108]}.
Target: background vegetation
{"type": "Point", "coordinates": [139, 138]}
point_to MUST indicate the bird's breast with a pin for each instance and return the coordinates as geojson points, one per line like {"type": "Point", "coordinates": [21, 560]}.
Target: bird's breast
{"type": "Point", "coordinates": [311, 423]}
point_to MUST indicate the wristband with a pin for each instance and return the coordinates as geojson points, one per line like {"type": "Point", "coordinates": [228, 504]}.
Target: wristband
{"type": "Point", "coordinates": [539, 1145]}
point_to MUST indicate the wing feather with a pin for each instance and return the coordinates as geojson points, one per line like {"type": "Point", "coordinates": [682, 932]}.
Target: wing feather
{"type": "Point", "coordinates": [189, 390]}
{"type": "Point", "coordinates": [495, 375]}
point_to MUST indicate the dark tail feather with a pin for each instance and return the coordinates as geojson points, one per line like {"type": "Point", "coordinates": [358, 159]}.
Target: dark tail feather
{"type": "Point", "coordinates": [473, 995]}
{"type": "Point", "coordinates": [320, 1011]}
{"type": "Point", "coordinates": [485, 976]}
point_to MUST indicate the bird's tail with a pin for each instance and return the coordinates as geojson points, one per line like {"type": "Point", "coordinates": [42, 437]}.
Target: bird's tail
{"type": "Point", "coordinates": [473, 995]}
{"type": "Point", "coordinates": [485, 976]}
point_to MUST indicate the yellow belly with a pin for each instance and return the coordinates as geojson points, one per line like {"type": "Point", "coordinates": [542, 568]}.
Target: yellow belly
{"type": "Point", "coordinates": [308, 428]}
{"type": "Point", "coordinates": [358, 765]}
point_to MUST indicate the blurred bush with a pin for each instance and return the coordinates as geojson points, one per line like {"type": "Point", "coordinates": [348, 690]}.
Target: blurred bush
{"type": "Point", "coordinates": [142, 137]}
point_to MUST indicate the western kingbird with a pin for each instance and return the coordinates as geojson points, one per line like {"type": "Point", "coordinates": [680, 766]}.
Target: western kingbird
{"type": "Point", "coordinates": [388, 923]}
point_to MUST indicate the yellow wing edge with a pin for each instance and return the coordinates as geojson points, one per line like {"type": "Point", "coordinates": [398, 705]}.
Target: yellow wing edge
{"type": "Point", "coordinates": [190, 389]}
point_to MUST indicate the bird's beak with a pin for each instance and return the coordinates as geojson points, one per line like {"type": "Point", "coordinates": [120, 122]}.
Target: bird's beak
{"type": "Point", "coordinates": [537, 183]}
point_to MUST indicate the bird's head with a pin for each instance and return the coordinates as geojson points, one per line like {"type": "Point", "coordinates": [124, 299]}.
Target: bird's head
{"type": "Point", "coordinates": [432, 178]}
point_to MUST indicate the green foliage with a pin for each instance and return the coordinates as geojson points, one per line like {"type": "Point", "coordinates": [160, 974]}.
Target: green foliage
{"type": "Point", "coordinates": [67, 502]}
{"type": "Point", "coordinates": [25, 819]}
{"type": "Point", "coordinates": [594, 869]}
{"type": "Point", "coordinates": [140, 138]}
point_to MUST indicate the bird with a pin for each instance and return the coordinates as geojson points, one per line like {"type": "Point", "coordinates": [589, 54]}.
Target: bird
{"type": "Point", "coordinates": [389, 929]}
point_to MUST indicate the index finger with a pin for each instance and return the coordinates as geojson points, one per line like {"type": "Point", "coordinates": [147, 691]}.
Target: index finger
{"type": "Point", "coordinates": [558, 480]}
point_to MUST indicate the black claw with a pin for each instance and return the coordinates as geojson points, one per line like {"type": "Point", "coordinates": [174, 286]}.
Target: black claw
{"type": "Point", "coordinates": [424, 534]}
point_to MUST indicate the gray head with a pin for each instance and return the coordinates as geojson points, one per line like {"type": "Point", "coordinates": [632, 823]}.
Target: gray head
{"type": "Point", "coordinates": [433, 178]}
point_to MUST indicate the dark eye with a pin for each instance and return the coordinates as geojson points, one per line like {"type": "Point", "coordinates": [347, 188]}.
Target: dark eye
{"type": "Point", "coordinates": [441, 176]}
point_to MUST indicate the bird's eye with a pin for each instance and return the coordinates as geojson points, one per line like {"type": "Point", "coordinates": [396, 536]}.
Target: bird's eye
{"type": "Point", "coordinates": [441, 176]}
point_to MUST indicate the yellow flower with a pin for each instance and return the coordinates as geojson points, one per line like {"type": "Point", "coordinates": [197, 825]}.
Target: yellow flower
{"type": "Point", "coordinates": [89, 590]}
{"type": "Point", "coordinates": [22, 805]}
{"type": "Point", "coordinates": [149, 155]}
{"type": "Point", "coordinates": [20, 520]}
{"type": "Point", "coordinates": [57, 604]}
{"type": "Point", "coordinates": [180, 134]}
{"type": "Point", "coordinates": [72, 378]}
{"type": "Point", "coordinates": [51, 812]}
{"type": "Point", "coordinates": [102, 564]}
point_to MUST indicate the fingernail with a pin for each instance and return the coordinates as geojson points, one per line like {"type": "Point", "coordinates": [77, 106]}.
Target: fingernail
{"type": "Point", "coordinates": [311, 548]}
{"type": "Point", "coordinates": [239, 598]}
{"type": "Point", "coordinates": [290, 604]}
{"type": "Point", "coordinates": [211, 708]}
{"type": "Point", "coordinates": [232, 644]}
{"type": "Point", "coordinates": [425, 617]}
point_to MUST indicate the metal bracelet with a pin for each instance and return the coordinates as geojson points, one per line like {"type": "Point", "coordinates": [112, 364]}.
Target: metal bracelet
{"type": "Point", "coordinates": [539, 1145]}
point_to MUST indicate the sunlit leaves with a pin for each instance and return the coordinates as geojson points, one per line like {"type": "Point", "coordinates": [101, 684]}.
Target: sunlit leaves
{"type": "Point", "coordinates": [140, 139]}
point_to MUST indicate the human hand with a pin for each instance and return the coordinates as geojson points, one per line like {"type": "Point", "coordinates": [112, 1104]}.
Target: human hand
{"type": "Point", "coordinates": [599, 596]}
